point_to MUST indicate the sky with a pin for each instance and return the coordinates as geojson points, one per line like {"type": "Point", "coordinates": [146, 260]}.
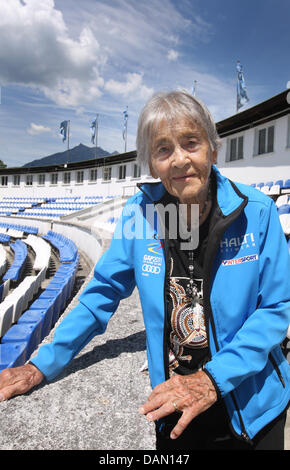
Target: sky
{"type": "Point", "coordinates": [71, 60]}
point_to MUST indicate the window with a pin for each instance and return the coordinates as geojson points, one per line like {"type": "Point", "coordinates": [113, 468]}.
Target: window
{"type": "Point", "coordinates": [107, 173]}
{"type": "Point", "coordinates": [235, 149]}
{"type": "Point", "coordinates": [122, 172]}
{"type": "Point", "coordinates": [53, 178]}
{"type": "Point", "coordinates": [16, 180]}
{"type": "Point", "coordinates": [29, 180]}
{"type": "Point", "coordinates": [66, 178]}
{"type": "Point", "coordinates": [136, 171]}
{"type": "Point", "coordinates": [93, 174]}
{"type": "Point", "coordinates": [264, 140]}
{"type": "Point", "coordinates": [80, 177]}
{"type": "Point", "coordinates": [41, 179]}
{"type": "Point", "coordinates": [4, 180]}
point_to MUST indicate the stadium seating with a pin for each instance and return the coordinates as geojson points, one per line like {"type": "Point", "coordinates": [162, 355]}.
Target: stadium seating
{"type": "Point", "coordinates": [23, 228]}
{"type": "Point", "coordinates": [12, 355]}
{"type": "Point", "coordinates": [3, 260]}
{"type": "Point", "coordinates": [66, 248]}
{"type": "Point", "coordinates": [26, 314]}
{"type": "Point", "coordinates": [281, 200]}
{"type": "Point", "coordinates": [44, 315]}
{"type": "Point", "coordinates": [4, 238]}
{"type": "Point", "coordinates": [285, 220]}
{"type": "Point", "coordinates": [29, 333]}
{"type": "Point", "coordinates": [274, 190]}
{"type": "Point", "coordinates": [20, 257]}
{"type": "Point", "coordinates": [41, 249]}
{"type": "Point", "coordinates": [286, 185]}
{"type": "Point", "coordinates": [4, 289]}
{"type": "Point", "coordinates": [6, 315]}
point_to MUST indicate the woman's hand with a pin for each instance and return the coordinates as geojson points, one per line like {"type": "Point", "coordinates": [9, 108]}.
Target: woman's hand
{"type": "Point", "coordinates": [190, 394]}
{"type": "Point", "coordinates": [18, 380]}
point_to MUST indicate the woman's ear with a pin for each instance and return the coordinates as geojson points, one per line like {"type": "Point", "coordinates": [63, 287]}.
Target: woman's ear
{"type": "Point", "coordinates": [214, 157]}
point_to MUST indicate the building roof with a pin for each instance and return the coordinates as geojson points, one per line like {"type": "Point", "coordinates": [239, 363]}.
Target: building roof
{"type": "Point", "coordinates": [275, 107]}
{"type": "Point", "coordinates": [94, 163]}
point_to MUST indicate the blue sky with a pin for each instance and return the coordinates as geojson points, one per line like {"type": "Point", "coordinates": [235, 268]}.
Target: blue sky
{"type": "Point", "coordinates": [65, 59]}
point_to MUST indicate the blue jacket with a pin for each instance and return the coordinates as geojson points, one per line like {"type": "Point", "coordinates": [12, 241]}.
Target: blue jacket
{"type": "Point", "coordinates": [246, 300]}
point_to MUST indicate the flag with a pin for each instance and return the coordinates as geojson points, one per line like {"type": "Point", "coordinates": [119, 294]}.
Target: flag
{"type": "Point", "coordinates": [93, 130]}
{"type": "Point", "coordinates": [63, 129]}
{"type": "Point", "coordinates": [193, 88]}
{"type": "Point", "coordinates": [242, 96]}
{"type": "Point", "coordinates": [125, 114]}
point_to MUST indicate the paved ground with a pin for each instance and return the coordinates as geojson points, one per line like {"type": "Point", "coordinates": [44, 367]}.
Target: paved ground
{"type": "Point", "coordinates": [94, 403]}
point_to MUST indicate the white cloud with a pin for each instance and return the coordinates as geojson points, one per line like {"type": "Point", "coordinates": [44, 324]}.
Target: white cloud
{"type": "Point", "coordinates": [36, 50]}
{"type": "Point", "coordinates": [133, 84]}
{"type": "Point", "coordinates": [36, 129]}
{"type": "Point", "coordinates": [172, 55]}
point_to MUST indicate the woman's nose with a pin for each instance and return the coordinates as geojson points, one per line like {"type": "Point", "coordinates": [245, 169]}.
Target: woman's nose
{"type": "Point", "coordinates": [180, 158]}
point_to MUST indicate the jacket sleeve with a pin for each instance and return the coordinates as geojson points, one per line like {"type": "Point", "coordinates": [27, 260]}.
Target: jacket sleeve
{"type": "Point", "coordinates": [113, 280]}
{"type": "Point", "coordinates": [264, 329]}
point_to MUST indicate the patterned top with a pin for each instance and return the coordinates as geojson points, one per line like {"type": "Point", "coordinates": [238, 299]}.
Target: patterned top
{"type": "Point", "coordinates": [186, 328]}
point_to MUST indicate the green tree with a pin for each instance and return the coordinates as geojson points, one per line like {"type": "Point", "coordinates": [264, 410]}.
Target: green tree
{"type": "Point", "coordinates": [2, 164]}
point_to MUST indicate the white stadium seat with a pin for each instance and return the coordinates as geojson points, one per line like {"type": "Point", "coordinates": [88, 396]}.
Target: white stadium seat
{"type": "Point", "coordinates": [6, 315]}
{"type": "Point", "coordinates": [42, 251]}
{"type": "Point", "coordinates": [285, 222]}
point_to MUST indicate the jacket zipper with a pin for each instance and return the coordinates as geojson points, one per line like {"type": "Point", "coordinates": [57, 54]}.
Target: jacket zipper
{"type": "Point", "coordinates": [276, 368]}
{"type": "Point", "coordinates": [219, 229]}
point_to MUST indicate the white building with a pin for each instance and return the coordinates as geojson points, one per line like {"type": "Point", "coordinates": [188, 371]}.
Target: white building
{"type": "Point", "coordinates": [256, 142]}
{"type": "Point", "coordinates": [255, 148]}
{"type": "Point", "coordinates": [114, 175]}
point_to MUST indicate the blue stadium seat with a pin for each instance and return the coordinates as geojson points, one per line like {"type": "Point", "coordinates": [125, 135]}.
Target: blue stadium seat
{"type": "Point", "coordinates": [66, 247]}
{"type": "Point", "coordinates": [37, 316]}
{"type": "Point", "coordinates": [60, 285]}
{"type": "Point", "coordinates": [260, 185]}
{"type": "Point", "coordinates": [269, 184]}
{"type": "Point", "coordinates": [20, 257]}
{"type": "Point", "coordinates": [46, 306]}
{"type": "Point", "coordinates": [286, 185]}
{"type": "Point", "coordinates": [57, 297]}
{"type": "Point", "coordinates": [12, 355]}
{"type": "Point", "coordinates": [284, 209]}
{"type": "Point", "coordinates": [279, 183]}
{"type": "Point", "coordinates": [29, 333]}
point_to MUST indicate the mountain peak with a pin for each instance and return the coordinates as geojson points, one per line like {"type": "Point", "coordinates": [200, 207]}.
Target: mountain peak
{"type": "Point", "coordinates": [77, 154]}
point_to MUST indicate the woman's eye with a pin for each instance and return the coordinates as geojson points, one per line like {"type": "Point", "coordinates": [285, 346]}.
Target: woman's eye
{"type": "Point", "coordinates": [192, 143]}
{"type": "Point", "coordinates": [163, 150]}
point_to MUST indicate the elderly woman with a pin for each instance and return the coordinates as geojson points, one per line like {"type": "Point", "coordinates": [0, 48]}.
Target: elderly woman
{"type": "Point", "coordinates": [216, 309]}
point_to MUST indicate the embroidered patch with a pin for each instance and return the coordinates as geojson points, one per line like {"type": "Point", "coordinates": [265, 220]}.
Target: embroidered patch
{"type": "Point", "coordinates": [244, 259]}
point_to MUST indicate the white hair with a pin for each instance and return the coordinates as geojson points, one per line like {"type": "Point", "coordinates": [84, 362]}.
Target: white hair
{"type": "Point", "coordinates": [172, 106]}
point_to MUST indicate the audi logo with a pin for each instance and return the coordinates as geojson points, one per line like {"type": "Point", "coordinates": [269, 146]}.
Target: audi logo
{"type": "Point", "coordinates": [148, 268]}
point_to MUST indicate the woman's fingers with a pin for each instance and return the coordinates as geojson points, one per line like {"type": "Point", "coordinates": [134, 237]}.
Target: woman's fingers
{"type": "Point", "coordinates": [190, 395]}
{"type": "Point", "coordinates": [18, 380]}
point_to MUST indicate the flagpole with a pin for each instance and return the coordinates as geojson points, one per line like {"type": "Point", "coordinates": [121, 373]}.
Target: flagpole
{"type": "Point", "coordinates": [126, 129]}
{"type": "Point", "coordinates": [96, 133]}
{"type": "Point", "coordinates": [68, 128]}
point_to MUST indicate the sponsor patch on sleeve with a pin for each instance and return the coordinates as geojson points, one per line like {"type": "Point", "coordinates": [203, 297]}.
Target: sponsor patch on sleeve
{"type": "Point", "coordinates": [244, 259]}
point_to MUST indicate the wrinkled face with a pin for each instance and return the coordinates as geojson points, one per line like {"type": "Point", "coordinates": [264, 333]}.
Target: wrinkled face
{"type": "Point", "coordinates": [182, 158]}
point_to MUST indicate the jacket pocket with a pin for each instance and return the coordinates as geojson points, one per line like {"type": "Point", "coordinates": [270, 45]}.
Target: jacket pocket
{"type": "Point", "coordinates": [276, 368]}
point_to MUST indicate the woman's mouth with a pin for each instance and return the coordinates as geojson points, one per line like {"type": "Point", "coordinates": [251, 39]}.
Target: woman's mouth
{"type": "Point", "coordinates": [182, 178]}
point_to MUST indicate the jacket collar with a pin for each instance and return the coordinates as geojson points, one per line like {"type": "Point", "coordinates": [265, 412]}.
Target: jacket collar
{"type": "Point", "coordinates": [229, 198]}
